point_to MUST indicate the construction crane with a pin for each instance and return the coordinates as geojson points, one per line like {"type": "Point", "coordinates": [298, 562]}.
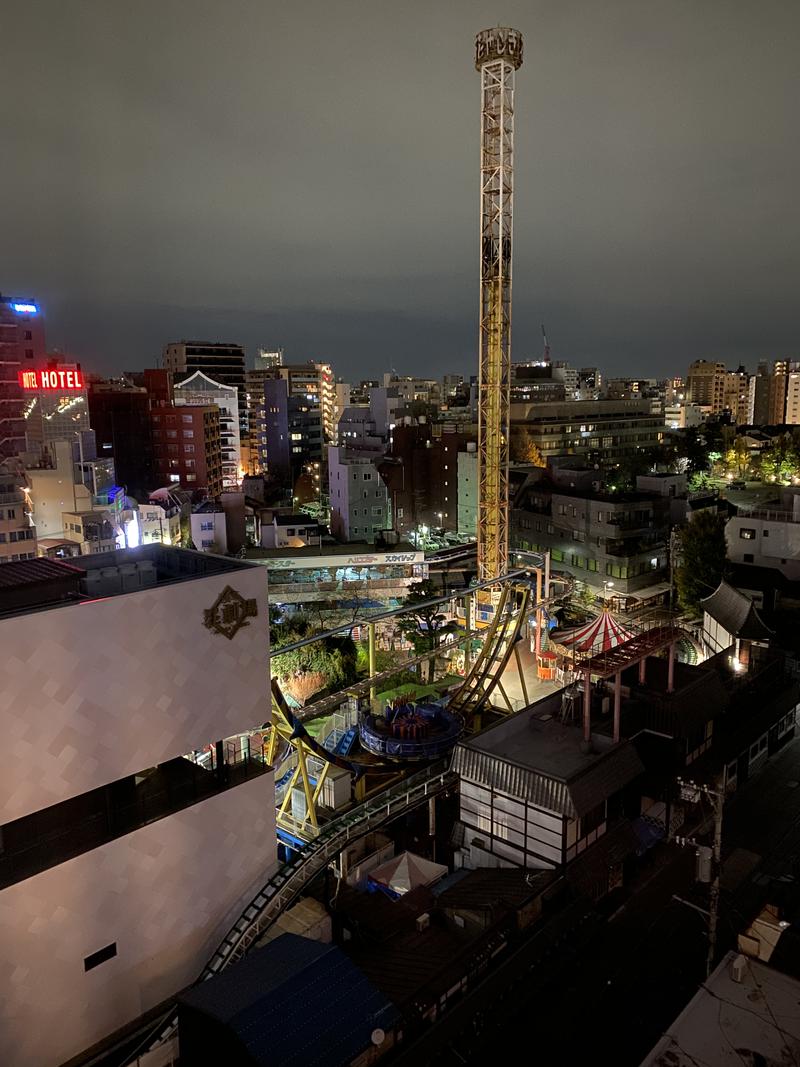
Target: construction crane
{"type": "Point", "coordinates": [546, 349]}
{"type": "Point", "coordinates": [498, 55]}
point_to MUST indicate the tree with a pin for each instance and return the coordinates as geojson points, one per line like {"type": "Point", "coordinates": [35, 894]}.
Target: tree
{"type": "Point", "coordinates": [329, 663]}
{"type": "Point", "coordinates": [703, 557]}
{"type": "Point", "coordinates": [424, 626]}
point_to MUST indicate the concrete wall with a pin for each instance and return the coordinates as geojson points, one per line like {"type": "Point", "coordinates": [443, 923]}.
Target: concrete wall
{"type": "Point", "coordinates": [772, 542]}
{"type": "Point", "coordinates": [95, 691]}
{"type": "Point", "coordinates": [166, 894]}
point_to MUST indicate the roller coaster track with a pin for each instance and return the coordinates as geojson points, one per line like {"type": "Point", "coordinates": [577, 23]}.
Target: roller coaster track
{"type": "Point", "coordinates": [286, 885]}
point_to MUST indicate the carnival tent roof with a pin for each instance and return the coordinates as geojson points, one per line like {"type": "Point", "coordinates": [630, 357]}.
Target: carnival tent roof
{"type": "Point", "coordinates": [600, 634]}
{"type": "Point", "coordinates": [406, 872]}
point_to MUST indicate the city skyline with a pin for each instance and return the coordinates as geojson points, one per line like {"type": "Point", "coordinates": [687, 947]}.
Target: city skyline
{"type": "Point", "coordinates": [211, 186]}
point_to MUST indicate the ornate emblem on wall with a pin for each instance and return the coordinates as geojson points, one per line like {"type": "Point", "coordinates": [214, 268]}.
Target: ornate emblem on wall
{"type": "Point", "coordinates": [229, 613]}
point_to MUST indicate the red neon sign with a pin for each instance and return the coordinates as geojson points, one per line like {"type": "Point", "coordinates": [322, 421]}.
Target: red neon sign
{"type": "Point", "coordinates": [50, 379]}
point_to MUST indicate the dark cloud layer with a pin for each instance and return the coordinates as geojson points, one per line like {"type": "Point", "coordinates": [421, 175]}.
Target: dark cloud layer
{"type": "Point", "coordinates": [305, 174]}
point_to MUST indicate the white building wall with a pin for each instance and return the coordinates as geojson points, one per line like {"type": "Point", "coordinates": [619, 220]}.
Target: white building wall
{"type": "Point", "coordinates": [772, 542]}
{"type": "Point", "coordinates": [210, 532]}
{"type": "Point", "coordinates": [53, 492]}
{"type": "Point", "coordinates": [95, 691]}
{"type": "Point", "coordinates": [166, 894]}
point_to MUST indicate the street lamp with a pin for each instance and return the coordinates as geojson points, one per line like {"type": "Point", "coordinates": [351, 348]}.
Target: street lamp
{"type": "Point", "coordinates": [606, 587]}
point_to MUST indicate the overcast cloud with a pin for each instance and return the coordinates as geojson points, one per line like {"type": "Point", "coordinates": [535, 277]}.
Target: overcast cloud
{"type": "Point", "coordinates": [305, 174]}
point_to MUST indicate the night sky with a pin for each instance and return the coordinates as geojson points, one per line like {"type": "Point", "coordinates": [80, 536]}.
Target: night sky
{"type": "Point", "coordinates": [305, 174]}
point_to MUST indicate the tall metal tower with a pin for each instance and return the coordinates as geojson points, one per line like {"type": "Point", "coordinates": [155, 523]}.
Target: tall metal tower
{"type": "Point", "coordinates": [498, 54]}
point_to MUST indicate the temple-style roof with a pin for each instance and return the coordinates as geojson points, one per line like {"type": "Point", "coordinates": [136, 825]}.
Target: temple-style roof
{"type": "Point", "coordinates": [736, 613]}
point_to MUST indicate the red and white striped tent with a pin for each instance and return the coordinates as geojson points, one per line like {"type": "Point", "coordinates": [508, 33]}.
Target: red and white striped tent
{"type": "Point", "coordinates": [600, 634]}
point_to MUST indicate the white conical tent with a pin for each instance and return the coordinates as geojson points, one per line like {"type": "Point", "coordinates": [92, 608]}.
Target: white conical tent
{"type": "Point", "coordinates": [600, 634]}
{"type": "Point", "coordinates": [406, 872]}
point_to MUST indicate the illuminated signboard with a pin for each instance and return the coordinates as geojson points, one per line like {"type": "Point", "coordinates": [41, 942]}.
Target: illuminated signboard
{"type": "Point", "coordinates": [25, 309]}
{"type": "Point", "coordinates": [50, 379]}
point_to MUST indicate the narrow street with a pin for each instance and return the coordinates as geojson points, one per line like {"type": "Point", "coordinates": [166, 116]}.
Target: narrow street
{"type": "Point", "coordinates": [647, 960]}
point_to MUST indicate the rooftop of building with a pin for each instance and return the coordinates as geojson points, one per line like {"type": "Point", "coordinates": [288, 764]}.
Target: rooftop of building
{"type": "Point", "coordinates": [736, 613]}
{"type": "Point", "coordinates": [539, 756]}
{"type": "Point", "coordinates": [358, 550]}
{"type": "Point", "coordinates": [751, 1019]}
{"type": "Point", "coordinates": [41, 584]}
{"type": "Point", "coordinates": [290, 987]}
{"type": "Point", "coordinates": [294, 520]}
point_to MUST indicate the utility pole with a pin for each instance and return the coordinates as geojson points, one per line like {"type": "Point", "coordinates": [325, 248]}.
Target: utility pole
{"type": "Point", "coordinates": [692, 791]}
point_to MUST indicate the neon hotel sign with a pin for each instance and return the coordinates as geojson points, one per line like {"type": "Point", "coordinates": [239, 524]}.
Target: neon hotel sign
{"type": "Point", "coordinates": [50, 379]}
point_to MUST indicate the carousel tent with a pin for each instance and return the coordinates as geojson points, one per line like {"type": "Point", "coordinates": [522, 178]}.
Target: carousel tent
{"type": "Point", "coordinates": [600, 634]}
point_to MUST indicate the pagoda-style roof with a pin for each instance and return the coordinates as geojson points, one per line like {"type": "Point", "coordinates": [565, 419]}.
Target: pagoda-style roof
{"type": "Point", "coordinates": [736, 613]}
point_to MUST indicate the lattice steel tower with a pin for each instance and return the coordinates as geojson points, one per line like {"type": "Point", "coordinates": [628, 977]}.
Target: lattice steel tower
{"type": "Point", "coordinates": [498, 54]}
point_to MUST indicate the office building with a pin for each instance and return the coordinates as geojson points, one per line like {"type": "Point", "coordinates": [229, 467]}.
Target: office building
{"type": "Point", "coordinates": [421, 472]}
{"type": "Point", "coordinates": [186, 447]}
{"type": "Point", "coordinates": [200, 390]}
{"type": "Point", "coordinates": [135, 818]}
{"type": "Point", "coordinates": [605, 431]}
{"type": "Point", "coordinates": [221, 362]}
{"type": "Point", "coordinates": [705, 385]}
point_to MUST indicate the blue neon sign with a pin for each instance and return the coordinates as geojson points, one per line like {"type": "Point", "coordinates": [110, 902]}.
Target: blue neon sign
{"type": "Point", "coordinates": [25, 309]}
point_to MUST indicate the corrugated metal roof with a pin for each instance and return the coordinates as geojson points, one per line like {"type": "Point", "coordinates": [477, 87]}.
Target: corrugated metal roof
{"type": "Point", "coordinates": [611, 771]}
{"type": "Point", "coordinates": [27, 571]}
{"type": "Point", "coordinates": [295, 1003]}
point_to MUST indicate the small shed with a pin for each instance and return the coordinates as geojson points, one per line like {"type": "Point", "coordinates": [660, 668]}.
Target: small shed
{"type": "Point", "coordinates": [293, 1003]}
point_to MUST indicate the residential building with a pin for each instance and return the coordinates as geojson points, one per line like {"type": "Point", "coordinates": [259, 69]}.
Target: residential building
{"type": "Point", "coordinates": [17, 531]}
{"type": "Point", "coordinates": [452, 385]}
{"type": "Point", "coordinates": [410, 389]}
{"type": "Point", "coordinates": [209, 528]}
{"type": "Point", "coordinates": [290, 531]}
{"type": "Point", "coordinates": [21, 349]}
{"type": "Point", "coordinates": [200, 390]}
{"type": "Point", "coordinates": [758, 404]}
{"type": "Point", "coordinates": [160, 521]}
{"type": "Point", "coordinates": [386, 406]}
{"type": "Point", "coordinates": [468, 491]}
{"type": "Point", "coordinates": [615, 542]}
{"type": "Point", "coordinates": [293, 428]}
{"type": "Point", "coordinates": [187, 448]}
{"type": "Point", "coordinates": [792, 414]}
{"type": "Point", "coordinates": [705, 385]}
{"type": "Point", "coordinates": [604, 431]}
{"type": "Point", "coordinates": [767, 537]}
{"type": "Point", "coordinates": [421, 472]}
{"type": "Point", "coordinates": [360, 503]}
{"type": "Point", "coordinates": [736, 395]}
{"type": "Point", "coordinates": [221, 362]}
{"type": "Point", "coordinates": [96, 530]}
{"type": "Point", "coordinates": [135, 819]}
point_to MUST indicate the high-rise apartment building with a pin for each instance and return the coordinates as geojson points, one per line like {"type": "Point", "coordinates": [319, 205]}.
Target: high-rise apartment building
{"type": "Point", "coordinates": [292, 428]}
{"type": "Point", "coordinates": [221, 362]}
{"type": "Point", "coordinates": [736, 395]}
{"type": "Point", "coordinates": [186, 447]}
{"type": "Point", "coordinates": [705, 385]}
{"type": "Point", "coordinates": [200, 390]}
{"type": "Point", "coordinates": [269, 359]}
{"type": "Point", "coordinates": [22, 347]}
